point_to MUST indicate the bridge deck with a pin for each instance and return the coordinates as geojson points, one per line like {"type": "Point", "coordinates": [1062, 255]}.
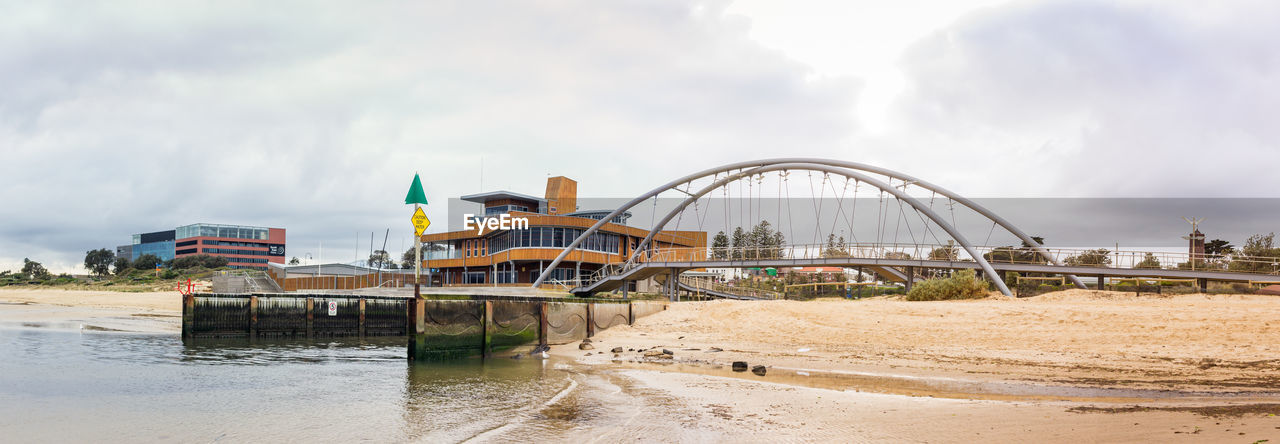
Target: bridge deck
{"type": "Point", "coordinates": [649, 269]}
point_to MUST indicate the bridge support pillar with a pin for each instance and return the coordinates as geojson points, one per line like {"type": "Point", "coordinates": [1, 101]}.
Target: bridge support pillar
{"type": "Point", "coordinates": [1203, 284]}
{"type": "Point", "coordinates": [1102, 282]}
{"type": "Point", "coordinates": [673, 285]}
{"type": "Point", "coordinates": [911, 272]}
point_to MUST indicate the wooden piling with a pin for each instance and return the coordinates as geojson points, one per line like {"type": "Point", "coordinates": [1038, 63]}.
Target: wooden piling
{"type": "Point", "coordinates": [489, 328]}
{"type": "Point", "coordinates": [361, 318]}
{"type": "Point", "coordinates": [591, 319]}
{"type": "Point", "coordinates": [253, 317]}
{"type": "Point", "coordinates": [631, 313]}
{"type": "Point", "coordinates": [188, 313]}
{"type": "Point", "coordinates": [543, 312]}
{"type": "Point", "coordinates": [311, 305]}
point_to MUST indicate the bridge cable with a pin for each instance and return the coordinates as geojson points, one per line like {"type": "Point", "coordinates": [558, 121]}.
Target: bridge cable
{"type": "Point", "coordinates": [839, 203]}
{"type": "Point", "coordinates": [853, 213]}
{"type": "Point", "coordinates": [987, 243]}
{"type": "Point", "coordinates": [777, 204]}
{"type": "Point", "coordinates": [902, 215]}
{"type": "Point", "coordinates": [880, 219]}
{"type": "Point", "coordinates": [928, 228]}
{"type": "Point", "coordinates": [816, 210]}
{"type": "Point", "coordinates": [822, 195]}
{"type": "Point", "coordinates": [791, 225]}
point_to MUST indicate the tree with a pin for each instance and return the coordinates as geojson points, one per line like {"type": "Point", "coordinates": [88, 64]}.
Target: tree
{"type": "Point", "coordinates": [1218, 248]}
{"type": "Point", "coordinates": [121, 266]}
{"type": "Point", "coordinates": [720, 246]}
{"type": "Point", "coordinates": [34, 270]}
{"type": "Point", "coordinates": [1091, 258]}
{"type": "Point", "coordinates": [836, 247]}
{"type": "Point", "coordinates": [406, 259]}
{"type": "Point", "coordinates": [98, 261]}
{"type": "Point", "coordinates": [739, 239]}
{"type": "Point", "coordinates": [379, 259]}
{"type": "Point", "coordinates": [295, 261]}
{"type": "Point", "coordinates": [761, 242]}
{"type": "Point", "coordinates": [1149, 261]}
{"type": "Point", "coordinates": [146, 262]}
{"type": "Point", "coordinates": [1260, 254]}
{"type": "Point", "coordinates": [946, 253]}
{"type": "Point", "coordinates": [1025, 254]}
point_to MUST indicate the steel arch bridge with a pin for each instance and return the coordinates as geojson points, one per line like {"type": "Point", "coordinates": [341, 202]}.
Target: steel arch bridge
{"type": "Point", "coordinates": [646, 260]}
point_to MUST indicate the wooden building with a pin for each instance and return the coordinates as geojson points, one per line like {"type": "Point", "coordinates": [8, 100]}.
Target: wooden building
{"type": "Point", "coordinates": [518, 256]}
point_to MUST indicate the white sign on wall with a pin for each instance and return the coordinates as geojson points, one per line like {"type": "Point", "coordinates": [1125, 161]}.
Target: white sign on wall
{"type": "Point", "coordinates": [333, 308]}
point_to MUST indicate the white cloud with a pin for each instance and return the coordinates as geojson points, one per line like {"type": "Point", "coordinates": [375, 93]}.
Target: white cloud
{"type": "Point", "coordinates": [126, 118]}
{"type": "Point", "coordinates": [1099, 98]}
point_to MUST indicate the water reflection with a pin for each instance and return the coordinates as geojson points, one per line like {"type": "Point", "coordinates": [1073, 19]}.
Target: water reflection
{"type": "Point", "coordinates": [137, 387]}
{"type": "Point", "coordinates": [459, 399]}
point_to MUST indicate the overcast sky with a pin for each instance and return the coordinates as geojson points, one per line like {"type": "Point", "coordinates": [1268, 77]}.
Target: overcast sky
{"type": "Point", "coordinates": [133, 116]}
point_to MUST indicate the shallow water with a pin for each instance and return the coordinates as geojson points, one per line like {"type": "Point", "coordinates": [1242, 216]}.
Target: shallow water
{"type": "Point", "coordinates": [103, 386]}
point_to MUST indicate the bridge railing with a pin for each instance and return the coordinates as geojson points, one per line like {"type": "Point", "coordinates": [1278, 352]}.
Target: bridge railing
{"type": "Point", "coordinates": [1104, 258]}
{"type": "Point", "coordinates": [707, 284]}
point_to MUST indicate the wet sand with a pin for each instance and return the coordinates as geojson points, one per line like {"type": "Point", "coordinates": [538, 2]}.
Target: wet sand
{"type": "Point", "coordinates": [1063, 367]}
{"type": "Point", "coordinates": [149, 312]}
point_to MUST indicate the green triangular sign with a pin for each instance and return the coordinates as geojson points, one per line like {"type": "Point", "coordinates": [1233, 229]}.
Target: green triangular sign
{"type": "Point", "coordinates": [415, 196]}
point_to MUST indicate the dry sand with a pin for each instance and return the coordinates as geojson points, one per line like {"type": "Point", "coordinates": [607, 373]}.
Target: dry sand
{"type": "Point", "coordinates": [1188, 342]}
{"type": "Point", "coordinates": [1062, 367]}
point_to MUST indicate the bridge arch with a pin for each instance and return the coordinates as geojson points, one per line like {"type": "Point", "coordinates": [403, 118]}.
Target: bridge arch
{"type": "Point", "coordinates": [852, 170]}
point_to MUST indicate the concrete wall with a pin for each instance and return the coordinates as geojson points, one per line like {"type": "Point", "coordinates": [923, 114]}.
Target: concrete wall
{"type": "Point", "coordinates": [437, 328]}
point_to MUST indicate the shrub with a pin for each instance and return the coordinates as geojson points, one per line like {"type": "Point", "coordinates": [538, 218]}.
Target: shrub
{"type": "Point", "coordinates": [963, 284]}
{"type": "Point", "coordinates": [199, 260]}
{"type": "Point", "coordinates": [146, 262]}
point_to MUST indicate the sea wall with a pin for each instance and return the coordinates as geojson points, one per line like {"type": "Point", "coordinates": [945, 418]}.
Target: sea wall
{"type": "Point", "coordinates": [436, 327]}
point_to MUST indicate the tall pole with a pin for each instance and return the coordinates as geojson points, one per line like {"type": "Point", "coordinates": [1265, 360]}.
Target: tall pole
{"type": "Point", "coordinates": [417, 263]}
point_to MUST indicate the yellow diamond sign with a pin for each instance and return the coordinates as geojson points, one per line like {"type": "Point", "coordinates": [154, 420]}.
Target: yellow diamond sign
{"type": "Point", "coordinates": [420, 222]}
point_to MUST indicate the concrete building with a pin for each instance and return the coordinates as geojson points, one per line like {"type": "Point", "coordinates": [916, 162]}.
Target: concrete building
{"type": "Point", "coordinates": [243, 246]}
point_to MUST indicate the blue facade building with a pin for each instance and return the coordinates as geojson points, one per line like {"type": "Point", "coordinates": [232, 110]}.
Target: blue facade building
{"type": "Point", "coordinates": [159, 244]}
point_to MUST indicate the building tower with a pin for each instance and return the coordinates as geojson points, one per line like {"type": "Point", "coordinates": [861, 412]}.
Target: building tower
{"type": "Point", "coordinates": [562, 195]}
{"type": "Point", "coordinates": [1195, 249]}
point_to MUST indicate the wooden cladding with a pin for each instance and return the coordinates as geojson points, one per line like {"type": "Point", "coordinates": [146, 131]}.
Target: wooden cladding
{"type": "Point", "coordinates": [344, 282]}
{"type": "Point", "coordinates": [676, 238]}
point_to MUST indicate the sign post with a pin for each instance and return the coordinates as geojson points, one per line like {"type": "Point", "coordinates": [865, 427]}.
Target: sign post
{"type": "Point", "coordinates": [420, 224]}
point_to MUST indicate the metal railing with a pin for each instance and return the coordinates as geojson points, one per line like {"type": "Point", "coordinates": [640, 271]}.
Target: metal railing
{"type": "Point", "coordinates": [1119, 259]}
{"type": "Point", "coordinates": [705, 284]}
{"type": "Point", "coordinates": [256, 281]}
{"type": "Point", "coordinates": [955, 253]}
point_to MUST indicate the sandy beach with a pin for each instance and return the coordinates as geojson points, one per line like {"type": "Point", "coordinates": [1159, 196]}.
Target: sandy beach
{"type": "Point", "coordinates": [1097, 366]}
{"type": "Point", "coordinates": [1065, 367]}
